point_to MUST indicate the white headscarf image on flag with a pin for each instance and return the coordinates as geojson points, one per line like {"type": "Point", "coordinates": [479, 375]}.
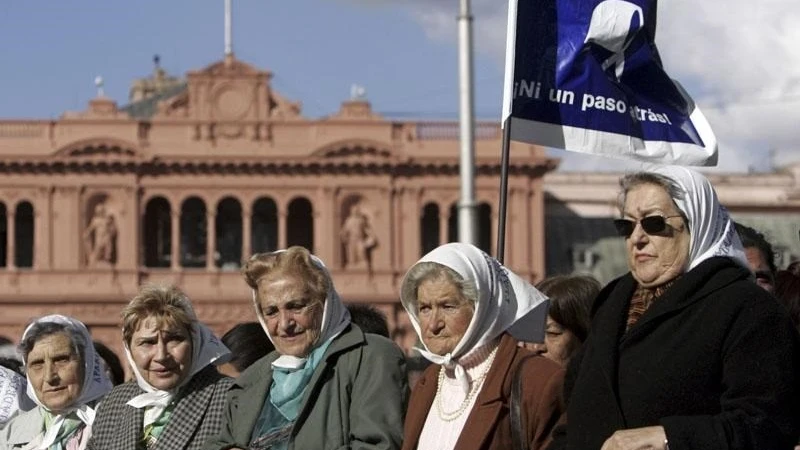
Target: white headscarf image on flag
{"type": "Point", "coordinates": [586, 76]}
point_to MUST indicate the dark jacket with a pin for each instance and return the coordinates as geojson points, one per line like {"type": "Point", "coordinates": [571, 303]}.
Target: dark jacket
{"type": "Point", "coordinates": [355, 399]}
{"type": "Point", "coordinates": [488, 425]}
{"type": "Point", "coordinates": [715, 361]}
{"type": "Point", "coordinates": [196, 417]}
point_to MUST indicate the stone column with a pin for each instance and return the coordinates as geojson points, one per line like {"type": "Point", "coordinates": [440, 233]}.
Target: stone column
{"type": "Point", "coordinates": [43, 226]}
{"type": "Point", "coordinates": [11, 245]}
{"type": "Point", "coordinates": [444, 218]}
{"type": "Point", "coordinates": [247, 231]}
{"type": "Point", "coordinates": [211, 240]}
{"type": "Point", "coordinates": [282, 218]}
{"type": "Point", "coordinates": [325, 239]}
{"type": "Point", "coordinates": [175, 240]}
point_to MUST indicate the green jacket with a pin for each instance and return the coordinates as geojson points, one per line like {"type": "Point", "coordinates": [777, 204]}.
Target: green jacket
{"type": "Point", "coordinates": [355, 400]}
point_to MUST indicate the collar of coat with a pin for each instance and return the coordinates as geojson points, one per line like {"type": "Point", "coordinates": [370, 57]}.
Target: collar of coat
{"type": "Point", "coordinates": [257, 378]}
{"type": "Point", "coordinates": [489, 403]}
{"type": "Point", "coordinates": [708, 277]}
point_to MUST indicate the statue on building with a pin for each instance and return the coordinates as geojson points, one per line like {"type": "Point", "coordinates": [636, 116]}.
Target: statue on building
{"type": "Point", "coordinates": [358, 238]}
{"type": "Point", "coordinates": [100, 237]}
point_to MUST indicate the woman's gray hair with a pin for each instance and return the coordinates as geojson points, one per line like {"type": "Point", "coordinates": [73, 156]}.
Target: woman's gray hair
{"type": "Point", "coordinates": [429, 270]}
{"type": "Point", "coordinates": [636, 179]}
{"type": "Point", "coordinates": [43, 329]}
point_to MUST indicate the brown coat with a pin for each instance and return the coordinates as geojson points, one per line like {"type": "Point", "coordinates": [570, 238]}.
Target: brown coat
{"type": "Point", "coordinates": [488, 426]}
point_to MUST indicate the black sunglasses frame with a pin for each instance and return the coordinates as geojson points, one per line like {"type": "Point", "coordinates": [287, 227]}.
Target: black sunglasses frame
{"type": "Point", "coordinates": [651, 225]}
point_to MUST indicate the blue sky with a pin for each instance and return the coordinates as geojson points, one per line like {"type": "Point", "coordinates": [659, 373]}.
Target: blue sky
{"type": "Point", "coordinates": [315, 48]}
{"type": "Point", "coordinates": [741, 63]}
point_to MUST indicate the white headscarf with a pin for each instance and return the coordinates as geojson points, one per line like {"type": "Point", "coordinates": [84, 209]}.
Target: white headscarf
{"type": "Point", "coordinates": [206, 349]}
{"type": "Point", "coordinates": [335, 318]}
{"type": "Point", "coordinates": [95, 384]}
{"type": "Point", "coordinates": [506, 302]}
{"type": "Point", "coordinates": [710, 227]}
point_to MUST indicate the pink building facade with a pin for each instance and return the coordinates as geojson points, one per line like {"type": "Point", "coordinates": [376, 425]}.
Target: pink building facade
{"type": "Point", "coordinates": [197, 174]}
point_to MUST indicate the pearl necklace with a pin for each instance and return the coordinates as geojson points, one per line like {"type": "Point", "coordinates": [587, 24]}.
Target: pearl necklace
{"type": "Point", "coordinates": [473, 391]}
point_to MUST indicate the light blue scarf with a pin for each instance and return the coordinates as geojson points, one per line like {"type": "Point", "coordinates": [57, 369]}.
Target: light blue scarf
{"type": "Point", "coordinates": [289, 385]}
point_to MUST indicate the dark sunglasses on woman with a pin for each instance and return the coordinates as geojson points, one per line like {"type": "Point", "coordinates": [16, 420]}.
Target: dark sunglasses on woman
{"type": "Point", "coordinates": [650, 225]}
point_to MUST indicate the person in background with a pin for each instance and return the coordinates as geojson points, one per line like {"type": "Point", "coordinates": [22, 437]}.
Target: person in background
{"type": "Point", "coordinates": [685, 351]}
{"type": "Point", "coordinates": [13, 364]}
{"type": "Point", "coordinates": [177, 398]}
{"type": "Point", "coordinates": [111, 363]}
{"type": "Point", "coordinates": [328, 385]}
{"type": "Point", "coordinates": [794, 267]}
{"type": "Point", "coordinates": [787, 291]}
{"type": "Point", "coordinates": [469, 312]}
{"type": "Point", "coordinates": [369, 318]}
{"type": "Point", "coordinates": [760, 256]}
{"type": "Point", "coordinates": [568, 320]}
{"type": "Point", "coordinates": [66, 380]}
{"type": "Point", "coordinates": [247, 344]}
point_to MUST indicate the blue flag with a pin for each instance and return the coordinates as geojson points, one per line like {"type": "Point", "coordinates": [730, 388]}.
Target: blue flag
{"type": "Point", "coordinates": [585, 76]}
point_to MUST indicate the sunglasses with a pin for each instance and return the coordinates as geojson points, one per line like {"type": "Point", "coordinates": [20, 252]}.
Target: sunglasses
{"type": "Point", "coordinates": [650, 225]}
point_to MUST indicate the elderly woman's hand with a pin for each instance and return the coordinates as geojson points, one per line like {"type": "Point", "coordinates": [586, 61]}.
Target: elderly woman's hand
{"type": "Point", "coordinates": [637, 438]}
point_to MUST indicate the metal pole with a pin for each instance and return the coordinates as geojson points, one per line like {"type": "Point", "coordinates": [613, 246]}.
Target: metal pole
{"type": "Point", "coordinates": [501, 223]}
{"type": "Point", "coordinates": [467, 209]}
{"type": "Point", "coordinates": [228, 26]}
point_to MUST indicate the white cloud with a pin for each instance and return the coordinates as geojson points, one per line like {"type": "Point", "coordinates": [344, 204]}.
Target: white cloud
{"type": "Point", "coordinates": [738, 58]}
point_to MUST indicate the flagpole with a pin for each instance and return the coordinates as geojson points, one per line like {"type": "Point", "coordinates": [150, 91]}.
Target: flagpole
{"type": "Point", "coordinates": [228, 30]}
{"type": "Point", "coordinates": [501, 213]}
{"type": "Point", "coordinates": [467, 210]}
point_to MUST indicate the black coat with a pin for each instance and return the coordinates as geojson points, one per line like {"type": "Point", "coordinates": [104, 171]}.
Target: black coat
{"type": "Point", "coordinates": [715, 361]}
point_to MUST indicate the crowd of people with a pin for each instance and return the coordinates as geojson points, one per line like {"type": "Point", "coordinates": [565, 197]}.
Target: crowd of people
{"type": "Point", "coordinates": [696, 347]}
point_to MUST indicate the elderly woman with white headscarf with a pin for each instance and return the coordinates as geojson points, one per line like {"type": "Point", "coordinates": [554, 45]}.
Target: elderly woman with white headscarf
{"type": "Point", "coordinates": [686, 351]}
{"type": "Point", "coordinates": [65, 379]}
{"type": "Point", "coordinates": [177, 399]}
{"type": "Point", "coordinates": [470, 312]}
{"type": "Point", "coordinates": [328, 385]}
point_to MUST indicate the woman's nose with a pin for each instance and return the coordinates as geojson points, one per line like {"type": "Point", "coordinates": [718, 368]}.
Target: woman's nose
{"type": "Point", "coordinates": [161, 351]}
{"type": "Point", "coordinates": [286, 320]}
{"type": "Point", "coordinates": [638, 235]}
{"type": "Point", "coordinates": [50, 373]}
{"type": "Point", "coordinates": [435, 324]}
{"type": "Point", "coordinates": [537, 347]}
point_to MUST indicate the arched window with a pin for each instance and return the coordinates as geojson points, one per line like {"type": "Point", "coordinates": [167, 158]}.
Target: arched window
{"type": "Point", "coordinates": [429, 228]}
{"type": "Point", "coordinates": [157, 233]}
{"type": "Point", "coordinates": [300, 224]}
{"type": "Point", "coordinates": [452, 223]}
{"type": "Point", "coordinates": [264, 226]}
{"type": "Point", "coordinates": [23, 235]}
{"type": "Point", "coordinates": [229, 234]}
{"type": "Point", "coordinates": [3, 235]}
{"type": "Point", "coordinates": [484, 229]}
{"type": "Point", "coordinates": [193, 233]}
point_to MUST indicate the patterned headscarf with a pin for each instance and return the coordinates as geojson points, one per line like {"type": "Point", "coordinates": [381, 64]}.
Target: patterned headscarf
{"type": "Point", "coordinates": [710, 227]}
{"type": "Point", "coordinates": [506, 302]}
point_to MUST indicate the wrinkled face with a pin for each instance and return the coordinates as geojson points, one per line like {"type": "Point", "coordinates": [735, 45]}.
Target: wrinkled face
{"type": "Point", "coordinates": [660, 257]}
{"type": "Point", "coordinates": [162, 353]}
{"type": "Point", "coordinates": [292, 313]}
{"type": "Point", "coordinates": [758, 264]}
{"type": "Point", "coordinates": [55, 371]}
{"type": "Point", "coordinates": [444, 314]}
{"type": "Point", "coordinates": [559, 343]}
